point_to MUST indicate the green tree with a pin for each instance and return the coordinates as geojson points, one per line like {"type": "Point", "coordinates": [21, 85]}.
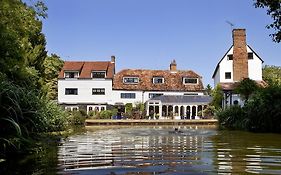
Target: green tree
{"type": "Point", "coordinates": [208, 89]}
{"type": "Point", "coordinates": [217, 95]}
{"type": "Point", "coordinates": [246, 88]}
{"type": "Point", "coordinates": [274, 10]}
{"type": "Point", "coordinates": [22, 44]}
{"type": "Point", "coordinates": [272, 74]}
{"type": "Point", "coordinates": [52, 66]}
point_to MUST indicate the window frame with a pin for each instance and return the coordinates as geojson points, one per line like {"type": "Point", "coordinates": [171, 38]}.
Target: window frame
{"type": "Point", "coordinates": [186, 78]}
{"type": "Point", "coordinates": [227, 77]}
{"type": "Point", "coordinates": [230, 57]}
{"type": "Point", "coordinates": [158, 78]}
{"type": "Point", "coordinates": [99, 91]}
{"type": "Point", "coordinates": [93, 72]}
{"type": "Point", "coordinates": [67, 72]}
{"type": "Point", "coordinates": [152, 95]}
{"type": "Point", "coordinates": [128, 95]}
{"type": "Point", "coordinates": [126, 82]}
{"type": "Point", "coordinates": [65, 90]}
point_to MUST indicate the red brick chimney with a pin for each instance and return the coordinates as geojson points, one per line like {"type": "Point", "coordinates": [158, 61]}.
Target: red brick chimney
{"type": "Point", "coordinates": [240, 55]}
{"type": "Point", "coordinates": [112, 59]}
{"type": "Point", "coordinates": [173, 66]}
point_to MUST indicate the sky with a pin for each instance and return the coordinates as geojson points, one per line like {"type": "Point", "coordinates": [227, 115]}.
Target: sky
{"type": "Point", "coordinates": [149, 34]}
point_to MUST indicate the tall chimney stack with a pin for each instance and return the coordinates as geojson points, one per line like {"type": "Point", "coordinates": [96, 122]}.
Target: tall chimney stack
{"type": "Point", "coordinates": [240, 55]}
{"type": "Point", "coordinates": [112, 59]}
{"type": "Point", "coordinates": [173, 66]}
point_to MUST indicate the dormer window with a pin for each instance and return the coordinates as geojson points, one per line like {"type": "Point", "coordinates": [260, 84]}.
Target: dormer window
{"type": "Point", "coordinates": [71, 74]}
{"type": "Point", "coordinates": [230, 57]}
{"type": "Point", "coordinates": [158, 80]}
{"type": "Point", "coordinates": [98, 74]}
{"type": "Point", "coordinates": [190, 80]}
{"type": "Point", "coordinates": [130, 80]}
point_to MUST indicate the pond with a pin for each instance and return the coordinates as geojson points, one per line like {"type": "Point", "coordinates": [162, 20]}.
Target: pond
{"type": "Point", "coordinates": [159, 150]}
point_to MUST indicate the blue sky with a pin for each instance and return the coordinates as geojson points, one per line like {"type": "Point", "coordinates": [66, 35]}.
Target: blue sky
{"type": "Point", "coordinates": [149, 34]}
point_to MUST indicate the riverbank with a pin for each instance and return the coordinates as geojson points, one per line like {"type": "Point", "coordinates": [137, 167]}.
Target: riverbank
{"type": "Point", "coordinates": [93, 122]}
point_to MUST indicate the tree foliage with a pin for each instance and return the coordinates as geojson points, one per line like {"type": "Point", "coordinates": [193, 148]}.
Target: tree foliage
{"type": "Point", "coordinates": [262, 113]}
{"type": "Point", "coordinates": [52, 65]}
{"type": "Point", "coordinates": [26, 75]}
{"type": "Point", "coordinates": [246, 88]}
{"type": "Point", "coordinates": [217, 95]}
{"type": "Point", "coordinates": [272, 74]}
{"type": "Point", "coordinates": [274, 10]}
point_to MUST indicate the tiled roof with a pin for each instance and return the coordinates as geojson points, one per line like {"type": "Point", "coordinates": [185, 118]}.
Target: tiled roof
{"type": "Point", "coordinates": [173, 81]}
{"type": "Point", "coordinates": [232, 85]}
{"type": "Point", "coordinates": [168, 99]}
{"type": "Point", "coordinates": [85, 68]}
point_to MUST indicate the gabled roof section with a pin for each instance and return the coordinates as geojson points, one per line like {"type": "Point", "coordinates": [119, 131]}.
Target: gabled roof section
{"type": "Point", "coordinates": [173, 81]}
{"type": "Point", "coordinates": [85, 68]}
{"type": "Point", "coordinates": [218, 65]}
{"type": "Point", "coordinates": [255, 53]}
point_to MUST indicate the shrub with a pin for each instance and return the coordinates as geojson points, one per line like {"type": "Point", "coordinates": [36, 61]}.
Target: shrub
{"type": "Point", "coordinates": [76, 118]}
{"type": "Point", "coordinates": [233, 117]}
{"type": "Point", "coordinates": [107, 114]}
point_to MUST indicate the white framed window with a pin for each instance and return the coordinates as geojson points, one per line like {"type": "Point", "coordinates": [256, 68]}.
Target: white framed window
{"type": "Point", "coordinates": [158, 80]}
{"type": "Point", "coordinates": [98, 91]}
{"type": "Point", "coordinates": [71, 91]}
{"type": "Point", "coordinates": [190, 80]}
{"type": "Point", "coordinates": [71, 74]}
{"type": "Point", "coordinates": [98, 74]}
{"type": "Point", "coordinates": [96, 108]}
{"type": "Point", "coordinates": [131, 80]}
{"type": "Point", "coordinates": [71, 108]}
{"type": "Point", "coordinates": [128, 95]}
{"type": "Point", "coordinates": [152, 95]}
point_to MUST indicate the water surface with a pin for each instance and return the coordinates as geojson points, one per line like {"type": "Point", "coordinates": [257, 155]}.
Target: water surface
{"type": "Point", "coordinates": [159, 150]}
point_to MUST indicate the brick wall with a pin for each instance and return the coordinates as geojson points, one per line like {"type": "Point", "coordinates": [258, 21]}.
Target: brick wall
{"type": "Point", "coordinates": [240, 55]}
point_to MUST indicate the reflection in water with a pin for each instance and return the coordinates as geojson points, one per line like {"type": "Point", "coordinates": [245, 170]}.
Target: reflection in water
{"type": "Point", "coordinates": [241, 152]}
{"type": "Point", "coordinates": [141, 150]}
{"type": "Point", "coordinates": [156, 150]}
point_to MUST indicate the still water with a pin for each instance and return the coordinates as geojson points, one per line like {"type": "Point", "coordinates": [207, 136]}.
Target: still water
{"type": "Point", "coordinates": [158, 150]}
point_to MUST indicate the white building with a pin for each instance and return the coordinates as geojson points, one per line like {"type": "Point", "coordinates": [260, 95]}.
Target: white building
{"type": "Point", "coordinates": [95, 86]}
{"type": "Point", "coordinates": [239, 62]}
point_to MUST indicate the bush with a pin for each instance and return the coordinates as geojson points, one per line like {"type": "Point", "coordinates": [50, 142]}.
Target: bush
{"type": "Point", "coordinates": [262, 112]}
{"type": "Point", "coordinates": [107, 114]}
{"type": "Point", "coordinates": [25, 113]}
{"type": "Point", "coordinates": [77, 118]}
{"type": "Point", "coordinates": [232, 118]}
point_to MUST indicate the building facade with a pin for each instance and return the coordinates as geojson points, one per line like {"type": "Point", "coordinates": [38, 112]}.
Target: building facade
{"type": "Point", "coordinates": [239, 62]}
{"type": "Point", "coordinates": [96, 86]}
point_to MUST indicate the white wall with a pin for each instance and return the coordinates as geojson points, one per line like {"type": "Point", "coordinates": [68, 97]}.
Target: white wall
{"type": "Point", "coordinates": [116, 97]}
{"type": "Point", "coordinates": [226, 66]}
{"type": "Point", "coordinates": [254, 67]}
{"type": "Point", "coordinates": [217, 77]}
{"type": "Point", "coordinates": [85, 91]}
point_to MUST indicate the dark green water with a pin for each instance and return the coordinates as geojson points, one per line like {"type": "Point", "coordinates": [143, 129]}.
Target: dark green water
{"type": "Point", "coordinates": [157, 150]}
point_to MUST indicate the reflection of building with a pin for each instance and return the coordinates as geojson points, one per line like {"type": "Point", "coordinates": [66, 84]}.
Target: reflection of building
{"type": "Point", "coordinates": [95, 86]}
{"type": "Point", "coordinates": [239, 62]}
